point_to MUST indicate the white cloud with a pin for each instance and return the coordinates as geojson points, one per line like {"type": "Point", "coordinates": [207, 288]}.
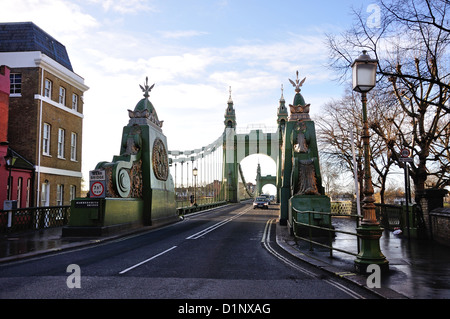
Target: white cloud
{"type": "Point", "coordinates": [181, 34]}
{"type": "Point", "coordinates": [124, 6]}
{"type": "Point", "coordinates": [191, 89]}
{"type": "Point", "coordinates": [58, 18]}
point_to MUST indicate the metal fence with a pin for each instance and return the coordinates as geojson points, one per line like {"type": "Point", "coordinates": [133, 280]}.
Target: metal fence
{"type": "Point", "coordinates": [184, 210]}
{"type": "Point", "coordinates": [329, 230]}
{"type": "Point", "coordinates": [33, 218]}
{"type": "Point", "coordinates": [389, 216]}
{"type": "Point", "coordinates": [342, 207]}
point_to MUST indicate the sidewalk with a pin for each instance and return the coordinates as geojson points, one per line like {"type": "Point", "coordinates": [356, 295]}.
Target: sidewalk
{"type": "Point", "coordinates": [417, 268]}
{"type": "Point", "coordinates": [16, 246]}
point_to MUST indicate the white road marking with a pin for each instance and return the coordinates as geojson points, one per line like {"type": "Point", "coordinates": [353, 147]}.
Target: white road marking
{"type": "Point", "coordinates": [217, 225]}
{"type": "Point", "coordinates": [147, 260]}
{"type": "Point", "coordinates": [266, 243]}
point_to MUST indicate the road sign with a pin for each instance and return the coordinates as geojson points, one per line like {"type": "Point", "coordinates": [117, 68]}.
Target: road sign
{"type": "Point", "coordinates": [97, 181]}
{"type": "Point", "coordinates": [97, 175]}
{"type": "Point", "coordinates": [97, 189]}
{"type": "Point", "coordinates": [405, 156]}
{"type": "Point", "coordinates": [405, 152]}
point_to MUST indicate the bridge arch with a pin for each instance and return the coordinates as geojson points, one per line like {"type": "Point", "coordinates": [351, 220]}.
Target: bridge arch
{"type": "Point", "coordinates": [270, 189]}
{"type": "Point", "coordinates": [264, 164]}
{"type": "Point", "coordinates": [292, 145]}
{"type": "Point", "coordinates": [239, 143]}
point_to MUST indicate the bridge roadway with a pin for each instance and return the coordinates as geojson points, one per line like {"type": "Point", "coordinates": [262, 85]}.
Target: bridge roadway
{"type": "Point", "coordinates": [229, 252]}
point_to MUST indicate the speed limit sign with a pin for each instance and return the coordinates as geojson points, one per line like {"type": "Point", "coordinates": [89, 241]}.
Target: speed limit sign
{"type": "Point", "coordinates": [97, 183]}
{"type": "Point", "coordinates": [405, 156]}
{"type": "Point", "coordinates": [97, 189]}
{"type": "Point", "coordinates": [405, 152]}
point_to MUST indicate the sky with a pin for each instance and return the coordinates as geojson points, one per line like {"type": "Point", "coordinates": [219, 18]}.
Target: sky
{"type": "Point", "coordinates": [193, 50]}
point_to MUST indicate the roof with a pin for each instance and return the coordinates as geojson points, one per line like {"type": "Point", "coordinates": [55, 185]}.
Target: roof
{"type": "Point", "coordinates": [26, 36]}
{"type": "Point", "coordinates": [20, 162]}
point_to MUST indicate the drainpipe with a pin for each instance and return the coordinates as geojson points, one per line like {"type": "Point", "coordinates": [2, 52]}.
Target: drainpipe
{"type": "Point", "coordinates": [40, 140]}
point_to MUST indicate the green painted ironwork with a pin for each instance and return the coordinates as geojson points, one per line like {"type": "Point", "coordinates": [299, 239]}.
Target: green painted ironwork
{"type": "Point", "coordinates": [138, 186]}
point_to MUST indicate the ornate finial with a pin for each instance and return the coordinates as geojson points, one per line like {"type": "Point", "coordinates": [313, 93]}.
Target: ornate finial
{"type": "Point", "coordinates": [229, 97]}
{"type": "Point", "coordinates": [282, 90]}
{"type": "Point", "coordinates": [146, 89]}
{"type": "Point", "coordinates": [297, 84]}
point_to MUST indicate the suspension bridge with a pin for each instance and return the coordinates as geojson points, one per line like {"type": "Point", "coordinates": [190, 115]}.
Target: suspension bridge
{"type": "Point", "coordinates": [215, 173]}
{"type": "Point", "coordinates": [147, 183]}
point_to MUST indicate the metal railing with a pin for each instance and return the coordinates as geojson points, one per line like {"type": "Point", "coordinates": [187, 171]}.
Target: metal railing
{"type": "Point", "coordinates": [389, 216]}
{"type": "Point", "coordinates": [342, 207]}
{"type": "Point", "coordinates": [184, 210]}
{"type": "Point", "coordinates": [330, 230]}
{"type": "Point", "coordinates": [33, 218]}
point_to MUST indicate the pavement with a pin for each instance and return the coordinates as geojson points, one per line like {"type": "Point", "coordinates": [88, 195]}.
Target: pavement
{"type": "Point", "coordinates": [418, 269]}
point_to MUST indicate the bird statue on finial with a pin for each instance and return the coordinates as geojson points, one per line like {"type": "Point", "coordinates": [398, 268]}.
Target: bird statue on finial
{"type": "Point", "coordinates": [297, 84]}
{"type": "Point", "coordinates": [146, 89]}
{"type": "Point", "coordinates": [299, 110]}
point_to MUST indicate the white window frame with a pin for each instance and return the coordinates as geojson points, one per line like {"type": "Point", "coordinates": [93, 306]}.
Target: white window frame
{"type": "Point", "coordinates": [15, 84]}
{"type": "Point", "coordinates": [73, 146]}
{"type": "Point", "coordinates": [59, 194]}
{"type": "Point", "coordinates": [45, 191]}
{"type": "Point", "coordinates": [73, 192]}
{"type": "Point", "coordinates": [61, 134]}
{"type": "Point", "coordinates": [46, 139]}
{"type": "Point", "coordinates": [27, 203]}
{"type": "Point", "coordinates": [62, 95]}
{"type": "Point", "coordinates": [19, 191]}
{"type": "Point", "coordinates": [48, 88]}
{"type": "Point", "coordinates": [75, 102]}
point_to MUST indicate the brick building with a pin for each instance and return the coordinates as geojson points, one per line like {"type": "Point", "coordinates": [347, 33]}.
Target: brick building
{"type": "Point", "coordinates": [16, 173]}
{"type": "Point", "coordinates": [45, 110]}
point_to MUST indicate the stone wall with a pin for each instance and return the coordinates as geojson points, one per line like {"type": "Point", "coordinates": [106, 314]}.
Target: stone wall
{"type": "Point", "coordinates": [440, 225]}
{"type": "Point", "coordinates": [436, 217]}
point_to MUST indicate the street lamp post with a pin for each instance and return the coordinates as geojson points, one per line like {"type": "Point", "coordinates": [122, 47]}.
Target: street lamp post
{"type": "Point", "coordinates": [195, 172]}
{"type": "Point", "coordinates": [10, 161]}
{"type": "Point", "coordinates": [364, 78]}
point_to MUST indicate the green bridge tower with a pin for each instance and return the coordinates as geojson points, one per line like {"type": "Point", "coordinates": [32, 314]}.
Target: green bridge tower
{"type": "Point", "coordinates": [135, 188]}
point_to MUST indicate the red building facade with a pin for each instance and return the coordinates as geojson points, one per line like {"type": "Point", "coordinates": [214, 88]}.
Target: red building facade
{"type": "Point", "coordinates": [16, 173]}
{"type": "Point", "coordinates": [45, 122]}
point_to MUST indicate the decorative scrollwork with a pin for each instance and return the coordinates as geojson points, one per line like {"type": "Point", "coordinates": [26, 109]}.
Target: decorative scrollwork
{"type": "Point", "coordinates": [123, 183]}
{"type": "Point", "coordinates": [160, 160]}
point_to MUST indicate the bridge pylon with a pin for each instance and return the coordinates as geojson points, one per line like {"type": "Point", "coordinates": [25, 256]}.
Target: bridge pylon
{"type": "Point", "coordinates": [301, 181]}
{"type": "Point", "coordinates": [237, 146]}
{"type": "Point", "coordinates": [136, 188]}
{"type": "Point", "coordinates": [261, 181]}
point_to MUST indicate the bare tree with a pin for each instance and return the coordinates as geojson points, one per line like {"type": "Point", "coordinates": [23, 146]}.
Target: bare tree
{"type": "Point", "coordinates": [411, 44]}
{"type": "Point", "coordinates": [338, 120]}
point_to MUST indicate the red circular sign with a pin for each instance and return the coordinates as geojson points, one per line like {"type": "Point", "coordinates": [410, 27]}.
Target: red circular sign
{"type": "Point", "coordinates": [97, 189]}
{"type": "Point", "coordinates": [404, 152]}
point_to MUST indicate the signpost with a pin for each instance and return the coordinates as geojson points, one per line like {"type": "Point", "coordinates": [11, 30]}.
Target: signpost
{"type": "Point", "coordinates": [405, 157]}
{"type": "Point", "coordinates": [97, 183]}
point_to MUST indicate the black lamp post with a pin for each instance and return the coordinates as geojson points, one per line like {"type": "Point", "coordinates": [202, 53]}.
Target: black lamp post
{"type": "Point", "coordinates": [10, 160]}
{"type": "Point", "coordinates": [364, 79]}
{"type": "Point", "coordinates": [195, 172]}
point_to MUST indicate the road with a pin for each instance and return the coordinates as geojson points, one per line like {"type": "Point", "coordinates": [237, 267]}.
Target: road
{"type": "Point", "coordinates": [226, 253]}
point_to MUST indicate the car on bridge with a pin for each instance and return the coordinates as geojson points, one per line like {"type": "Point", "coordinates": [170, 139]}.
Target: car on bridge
{"type": "Point", "coordinates": [269, 198]}
{"type": "Point", "coordinates": [261, 202]}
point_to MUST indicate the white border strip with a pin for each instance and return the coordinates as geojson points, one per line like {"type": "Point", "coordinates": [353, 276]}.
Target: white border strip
{"type": "Point", "coordinates": [57, 171]}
